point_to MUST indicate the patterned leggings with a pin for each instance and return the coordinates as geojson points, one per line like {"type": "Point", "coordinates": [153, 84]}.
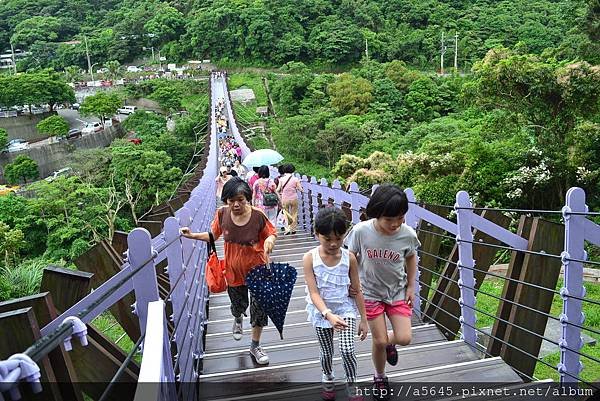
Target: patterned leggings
{"type": "Point", "coordinates": [346, 339]}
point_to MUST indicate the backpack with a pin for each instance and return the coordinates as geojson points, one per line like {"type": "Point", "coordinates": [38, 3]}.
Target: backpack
{"type": "Point", "coordinates": [270, 198]}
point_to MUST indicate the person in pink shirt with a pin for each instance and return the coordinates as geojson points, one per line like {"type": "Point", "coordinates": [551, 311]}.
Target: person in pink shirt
{"type": "Point", "coordinates": [221, 179]}
{"type": "Point", "coordinates": [252, 179]}
{"type": "Point", "coordinates": [287, 187]}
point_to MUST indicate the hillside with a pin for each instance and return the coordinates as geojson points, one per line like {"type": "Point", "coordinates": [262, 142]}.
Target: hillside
{"type": "Point", "coordinates": [272, 32]}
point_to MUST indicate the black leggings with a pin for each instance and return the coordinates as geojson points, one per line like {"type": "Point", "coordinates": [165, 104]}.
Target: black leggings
{"type": "Point", "coordinates": [239, 303]}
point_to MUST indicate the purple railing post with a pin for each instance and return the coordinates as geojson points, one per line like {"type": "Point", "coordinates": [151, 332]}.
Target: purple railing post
{"type": "Point", "coordinates": [141, 256]}
{"type": "Point", "coordinates": [412, 221]}
{"type": "Point", "coordinates": [314, 195]}
{"type": "Point", "coordinates": [356, 202]}
{"type": "Point", "coordinates": [466, 282]}
{"type": "Point", "coordinates": [337, 193]}
{"type": "Point", "coordinates": [326, 191]}
{"type": "Point", "coordinates": [307, 223]}
{"type": "Point", "coordinates": [573, 285]}
{"type": "Point", "coordinates": [177, 277]}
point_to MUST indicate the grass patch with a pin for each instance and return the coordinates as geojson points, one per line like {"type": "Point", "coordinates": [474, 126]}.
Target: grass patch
{"type": "Point", "coordinates": [246, 114]}
{"type": "Point", "coordinates": [195, 103]}
{"type": "Point", "coordinates": [591, 371]}
{"type": "Point", "coordinates": [249, 81]}
{"type": "Point", "coordinates": [108, 325]}
{"type": "Point", "coordinates": [259, 142]}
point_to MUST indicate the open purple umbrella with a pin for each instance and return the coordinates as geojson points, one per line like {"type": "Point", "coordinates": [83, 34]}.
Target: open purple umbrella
{"type": "Point", "coordinates": [272, 285]}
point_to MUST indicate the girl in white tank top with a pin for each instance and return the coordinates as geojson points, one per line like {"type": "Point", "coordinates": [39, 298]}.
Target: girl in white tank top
{"type": "Point", "coordinates": [329, 271]}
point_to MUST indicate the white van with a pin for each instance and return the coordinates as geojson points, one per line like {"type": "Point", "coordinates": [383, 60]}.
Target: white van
{"type": "Point", "coordinates": [127, 110]}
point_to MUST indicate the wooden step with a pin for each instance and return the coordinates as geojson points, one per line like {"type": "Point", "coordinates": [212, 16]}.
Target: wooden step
{"type": "Point", "coordinates": [401, 383]}
{"type": "Point", "coordinates": [280, 377]}
{"type": "Point", "coordinates": [235, 356]}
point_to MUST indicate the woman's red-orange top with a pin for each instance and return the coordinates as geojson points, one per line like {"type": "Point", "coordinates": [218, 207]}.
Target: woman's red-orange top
{"type": "Point", "coordinates": [244, 245]}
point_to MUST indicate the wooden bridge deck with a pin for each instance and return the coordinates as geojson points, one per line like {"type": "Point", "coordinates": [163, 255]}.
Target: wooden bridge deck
{"type": "Point", "coordinates": [294, 372]}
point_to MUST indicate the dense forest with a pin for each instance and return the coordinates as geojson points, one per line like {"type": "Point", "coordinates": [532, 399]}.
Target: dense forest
{"type": "Point", "coordinates": [317, 32]}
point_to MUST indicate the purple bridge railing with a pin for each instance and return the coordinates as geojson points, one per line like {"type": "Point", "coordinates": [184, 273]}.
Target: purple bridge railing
{"type": "Point", "coordinates": [160, 371]}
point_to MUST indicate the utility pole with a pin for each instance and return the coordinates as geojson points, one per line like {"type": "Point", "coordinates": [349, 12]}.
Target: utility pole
{"type": "Point", "coordinates": [443, 50]}
{"type": "Point", "coordinates": [456, 53]}
{"type": "Point", "coordinates": [367, 48]}
{"type": "Point", "coordinates": [12, 50]}
{"type": "Point", "coordinates": [87, 53]}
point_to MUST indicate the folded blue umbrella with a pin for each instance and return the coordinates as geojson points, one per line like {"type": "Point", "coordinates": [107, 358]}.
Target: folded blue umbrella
{"type": "Point", "coordinates": [272, 285]}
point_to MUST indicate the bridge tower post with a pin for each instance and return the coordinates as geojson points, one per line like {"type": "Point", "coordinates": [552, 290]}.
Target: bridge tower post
{"type": "Point", "coordinates": [575, 234]}
{"type": "Point", "coordinates": [466, 282]}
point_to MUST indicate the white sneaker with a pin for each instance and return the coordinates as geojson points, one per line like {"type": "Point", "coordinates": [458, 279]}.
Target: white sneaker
{"type": "Point", "coordinates": [259, 355]}
{"type": "Point", "coordinates": [238, 331]}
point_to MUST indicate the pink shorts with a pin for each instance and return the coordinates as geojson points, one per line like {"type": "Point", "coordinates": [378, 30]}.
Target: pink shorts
{"type": "Point", "coordinates": [376, 308]}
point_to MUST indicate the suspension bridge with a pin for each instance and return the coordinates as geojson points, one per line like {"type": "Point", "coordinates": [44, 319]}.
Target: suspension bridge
{"type": "Point", "coordinates": [152, 281]}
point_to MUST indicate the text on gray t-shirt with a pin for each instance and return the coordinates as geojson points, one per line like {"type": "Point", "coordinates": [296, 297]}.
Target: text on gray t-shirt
{"type": "Point", "coordinates": [381, 259]}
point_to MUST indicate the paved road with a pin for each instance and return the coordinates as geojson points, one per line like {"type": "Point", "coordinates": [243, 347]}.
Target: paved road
{"type": "Point", "coordinates": [75, 121]}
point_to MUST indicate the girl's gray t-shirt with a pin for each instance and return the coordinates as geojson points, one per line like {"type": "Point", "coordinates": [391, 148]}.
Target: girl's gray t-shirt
{"type": "Point", "coordinates": [381, 259]}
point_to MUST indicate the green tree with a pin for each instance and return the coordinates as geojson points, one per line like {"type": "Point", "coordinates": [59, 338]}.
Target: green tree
{"type": "Point", "coordinates": [3, 138]}
{"type": "Point", "coordinates": [53, 126]}
{"type": "Point", "coordinates": [114, 69]}
{"type": "Point", "coordinates": [167, 24]}
{"type": "Point", "coordinates": [350, 95]}
{"type": "Point", "coordinates": [11, 243]}
{"type": "Point", "coordinates": [101, 105]}
{"type": "Point", "coordinates": [36, 29]}
{"type": "Point", "coordinates": [341, 135]}
{"type": "Point", "coordinates": [72, 73]}
{"type": "Point", "coordinates": [145, 177]}
{"type": "Point", "coordinates": [23, 168]}
{"type": "Point", "coordinates": [335, 40]}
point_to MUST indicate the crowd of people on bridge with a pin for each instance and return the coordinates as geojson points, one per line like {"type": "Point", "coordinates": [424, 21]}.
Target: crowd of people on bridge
{"type": "Point", "coordinates": [354, 278]}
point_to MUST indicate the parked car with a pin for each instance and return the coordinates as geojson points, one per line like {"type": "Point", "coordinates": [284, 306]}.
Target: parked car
{"type": "Point", "coordinates": [133, 68]}
{"type": "Point", "coordinates": [7, 189]}
{"type": "Point", "coordinates": [62, 172]}
{"type": "Point", "coordinates": [135, 141]}
{"type": "Point", "coordinates": [90, 128]}
{"type": "Point", "coordinates": [75, 106]}
{"type": "Point", "coordinates": [73, 133]}
{"type": "Point", "coordinates": [127, 110]}
{"type": "Point", "coordinates": [15, 145]}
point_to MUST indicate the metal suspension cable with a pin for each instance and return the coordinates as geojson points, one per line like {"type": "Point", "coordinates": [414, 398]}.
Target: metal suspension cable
{"type": "Point", "coordinates": [487, 272]}
{"type": "Point", "coordinates": [549, 255]}
{"type": "Point", "coordinates": [582, 213]}
{"type": "Point", "coordinates": [479, 291]}
{"type": "Point", "coordinates": [512, 324]}
{"type": "Point", "coordinates": [436, 234]}
{"type": "Point", "coordinates": [513, 303]}
{"type": "Point", "coordinates": [431, 204]}
{"type": "Point", "coordinates": [531, 356]}
{"type": "Point", "coordinates": [532, 211]}
{"type": "Point", "coordinates": [584, 328]}
{"type": "Point", "coordinates": [437, 322]}
{"type": "Point", "coordinates": [122, 368]}
{"type": "Point", "coordinates": [591, 301]}
{"type": "Point", "coordinates": [589, 262]}
{"type": "Point", "coordinates": [443, 293]}
{"type": "Point", "coordinates": [436, 256]}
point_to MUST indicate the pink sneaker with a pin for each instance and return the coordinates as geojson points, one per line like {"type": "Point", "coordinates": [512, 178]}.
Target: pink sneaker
{"type": "Point", "coordinates": [328, 386]}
